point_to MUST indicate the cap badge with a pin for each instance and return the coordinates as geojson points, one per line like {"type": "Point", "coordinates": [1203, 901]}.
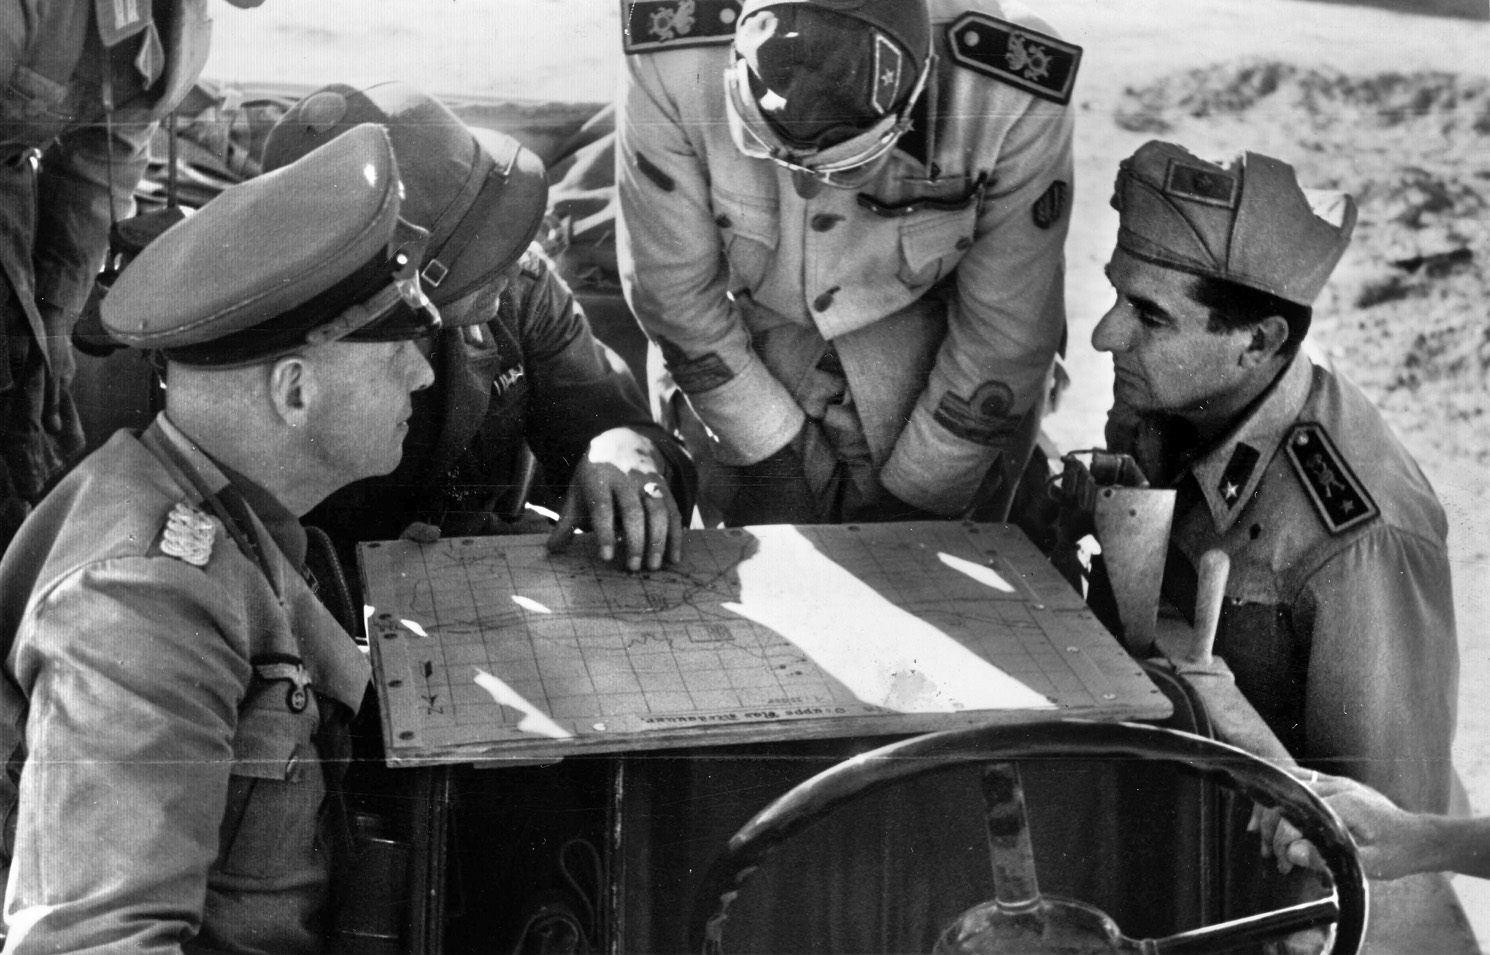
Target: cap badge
{"type": "Point", "coordinates": [188, 535]}
{"type": "Point", "coordinates": [1198, 184]}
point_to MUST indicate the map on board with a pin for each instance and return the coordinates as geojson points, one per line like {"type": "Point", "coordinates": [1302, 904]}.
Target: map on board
{"type": "Point", "coordinates": [491, 647]}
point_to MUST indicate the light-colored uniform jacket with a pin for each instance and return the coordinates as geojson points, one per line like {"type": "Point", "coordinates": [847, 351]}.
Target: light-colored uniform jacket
{"type": "Point", "coordinates": [171, 797]}
{"type": "Point", "coordinates": [945, 320]}
{"type": "Point", "coordinates": [1339, 612]}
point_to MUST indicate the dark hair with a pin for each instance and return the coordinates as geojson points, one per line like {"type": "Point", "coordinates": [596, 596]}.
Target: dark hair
{"type": "Point", "coordinates": [1236, 306]}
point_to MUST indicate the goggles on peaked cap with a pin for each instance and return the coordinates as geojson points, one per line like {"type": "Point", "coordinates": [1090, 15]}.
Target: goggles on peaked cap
{"type": "Point", "coordinates": [826, 87]}
{"type": "Point", "coordinates": [480, 193]}
{"type": "Point", "coordinates": [1249, 222]}
{"type": "Point", "coordinates": [313, 253]}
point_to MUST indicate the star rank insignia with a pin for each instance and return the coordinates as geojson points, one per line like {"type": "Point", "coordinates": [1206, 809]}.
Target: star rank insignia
{"type": "Point", "coordinates": [1035, 62]}
{"type": "Point", "coordinates": [1338, 496]}
{"type": "Point", "coordinates": [188, 535]}
{"type": "Point", "coordinates": [1238, 471]}
{"type": "Point", "coordinates": [649, 25]}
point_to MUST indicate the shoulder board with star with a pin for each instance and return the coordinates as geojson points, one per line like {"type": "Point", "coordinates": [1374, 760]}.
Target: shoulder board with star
{"type": "Point", "coordinates": [1337, 494]}
{"type": "Point", "coordinates": [188, 535]}
{"type": "Point", "coordinates": [1035, 62]}
{"type": "Point", "coordinates": [651, 25]}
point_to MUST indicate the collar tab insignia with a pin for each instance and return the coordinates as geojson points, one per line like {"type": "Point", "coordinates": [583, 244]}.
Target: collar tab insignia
{"type": "Point", "coordinates": [1238, 471]}
{"type": "Point", "coordinates": [188, 535]}
{"type": "Point", "coordinates": [1337, 494]}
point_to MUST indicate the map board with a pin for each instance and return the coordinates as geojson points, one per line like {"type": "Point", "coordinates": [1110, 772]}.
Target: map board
{"type": "Point", "coordinates": [491, 648]}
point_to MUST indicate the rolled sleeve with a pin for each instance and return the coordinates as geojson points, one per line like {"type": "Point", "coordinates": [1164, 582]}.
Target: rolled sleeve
{"type": "Point", "coordinates": [1384, 667]}
{"type": "Point", "coordinates": [1004, 326]}
{"type": "Point", "coordinates": [133, 692]}
{"type": "Point", "coordinates": [674, 272]}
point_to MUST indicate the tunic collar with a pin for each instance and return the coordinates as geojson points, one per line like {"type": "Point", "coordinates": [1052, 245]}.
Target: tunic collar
{"type": "Point", "coordinates": [1229, 472]}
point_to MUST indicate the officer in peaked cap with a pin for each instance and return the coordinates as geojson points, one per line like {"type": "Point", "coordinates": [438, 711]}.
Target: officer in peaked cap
{"type": "Point", "coordinates": [1339, 622]}
{"type": "Point", "coordinates": [518, 365]}
{"type": "Point", "coordinates": [164, 644]}
{"type": "Point", "coordinates": [843, 225]}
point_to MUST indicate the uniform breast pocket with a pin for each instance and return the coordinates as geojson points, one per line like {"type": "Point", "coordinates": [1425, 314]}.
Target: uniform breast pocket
{"type": "Point", "coordinates": [749, 231]}
{"type": "Point", "coordinates": [932, 243]}
{"type": "Point", "coordinates": [275, 795]}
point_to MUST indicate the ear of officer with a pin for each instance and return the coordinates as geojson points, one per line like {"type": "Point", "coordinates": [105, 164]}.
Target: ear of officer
{"type": "Point", "coordinates": [273, 297]}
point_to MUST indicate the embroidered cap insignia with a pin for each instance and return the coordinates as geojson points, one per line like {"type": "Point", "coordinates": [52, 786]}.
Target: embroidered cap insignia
{"type": "Point", "coordinates": [188, 535]}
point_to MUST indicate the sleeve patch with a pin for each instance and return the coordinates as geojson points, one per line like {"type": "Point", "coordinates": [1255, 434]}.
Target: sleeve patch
{"type": "Point", "coordinates": [1032, 61]}
{"type": "Point", "coordinates": [694, 375]}
{"type": "Point", "coordinates": [982, 419]}
{"type": "Point", "coordinates": [1338, 496]}
{"type": "Point", "coordinates": [649, 169]}
{"type": "Point", "coordinates": [1051, 205]}
{"type": "Point", "coordinates": [650, 25]}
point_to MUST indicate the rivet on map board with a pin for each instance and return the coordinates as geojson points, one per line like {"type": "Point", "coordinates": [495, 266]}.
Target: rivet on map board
{"type": "Point", "coordinates": [852, 527]}
{"type": "Point", "coordinates": [1109, 696]}
{"type": "Point", "coordinates": [1073, 649]}
{"type": "Point", "coordinates": [374, 545]}
{"type": "Point", "coordinates": [406, 734]}
{"type": "Point", "coordinates": [466, 541]}
{"type": "Point", "coordinates": [395, 682]}
{"type": "Point", "coordinates": [390, 635]}
{"type": "Point", "coordinates": [385, 616]}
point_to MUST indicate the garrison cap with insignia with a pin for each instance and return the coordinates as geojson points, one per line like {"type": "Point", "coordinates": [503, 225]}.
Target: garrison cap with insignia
{"type": "Point", "coordinates": [1337, 494]}
{"type": "Point", "coordinates": [1249, 222]}
{"type": "Point", "coordinates": [649, 25]}
{"type": "Point", "coordinates": [312, 253]}
{"type": "Point", "coordinates": [1035, 62]}
{"type": "Point", "coordinates": [480, 193]}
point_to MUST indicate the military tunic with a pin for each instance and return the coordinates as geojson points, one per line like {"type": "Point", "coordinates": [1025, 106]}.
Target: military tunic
{"type": "Point", "coordinates": [938, 283]}
{"type": "Point", "coordinates": [1339, 615]}
{"type": "Point", "coordinates": [163, 712]}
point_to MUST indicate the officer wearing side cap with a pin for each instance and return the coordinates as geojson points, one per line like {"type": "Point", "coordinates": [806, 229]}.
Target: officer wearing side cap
{"type": "Point", "coordinates": [1338, 620]}
{"type": "Point", "coordinates": [517, 361]}
{"type": "Point", "coordinates": [175, 695]}
{"type": "Point", "coordinates": [842, 225]}
{"type": "Point", "coordinates": [82, 87]}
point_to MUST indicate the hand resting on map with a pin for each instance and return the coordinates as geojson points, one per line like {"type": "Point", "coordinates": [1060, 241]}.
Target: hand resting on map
{"type": "Point", "coordinates": [620, 494]}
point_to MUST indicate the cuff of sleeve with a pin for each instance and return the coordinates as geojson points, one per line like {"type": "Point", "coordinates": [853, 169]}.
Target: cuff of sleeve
{"type": "Point", "coordinates": [934, 469]}
{"type": "Point", "coordinates": [752, 416]}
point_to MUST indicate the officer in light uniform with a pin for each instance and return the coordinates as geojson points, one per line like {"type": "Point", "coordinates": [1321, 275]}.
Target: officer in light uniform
{"type": "Point", "coordinates": [175, 695]}
{"type": "Point", "coordinates": [842, 224]}
{"type": "Point", "coordinates": [1338, 620]}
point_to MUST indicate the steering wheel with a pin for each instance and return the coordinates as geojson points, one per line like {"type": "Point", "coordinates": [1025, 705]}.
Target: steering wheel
{"type": "Point", "coordinates": [1019, 918]}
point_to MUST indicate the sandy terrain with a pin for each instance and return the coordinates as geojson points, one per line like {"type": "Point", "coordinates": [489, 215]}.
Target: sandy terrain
{"type": "Point", "coordinates": [1406, 315]}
